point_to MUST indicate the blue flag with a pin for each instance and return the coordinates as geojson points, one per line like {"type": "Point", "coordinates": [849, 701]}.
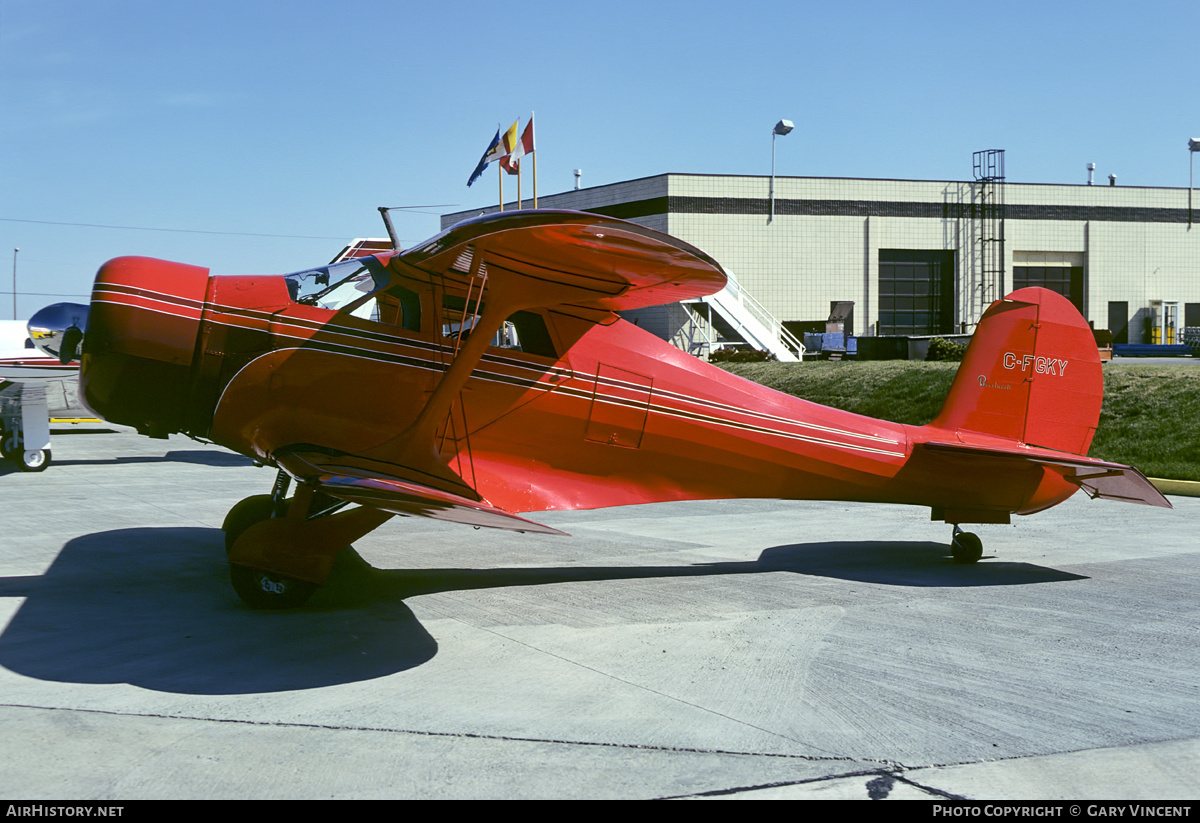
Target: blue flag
{"type": "Point", "coordinates": [488, 157]}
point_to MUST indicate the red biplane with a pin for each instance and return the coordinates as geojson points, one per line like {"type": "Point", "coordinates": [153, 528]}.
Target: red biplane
{"type": "Point", "coordinates": [485, 372]}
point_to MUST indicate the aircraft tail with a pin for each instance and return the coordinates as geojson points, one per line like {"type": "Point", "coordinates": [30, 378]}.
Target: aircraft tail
{"type": "Point", "coordinates": [1031, 374]}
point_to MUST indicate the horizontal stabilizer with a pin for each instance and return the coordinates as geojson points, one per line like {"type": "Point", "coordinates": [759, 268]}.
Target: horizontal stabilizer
{"type": "Point", "coordinates": [1108, 481]}
{"type": "Point", "coordinates": [336, 478]}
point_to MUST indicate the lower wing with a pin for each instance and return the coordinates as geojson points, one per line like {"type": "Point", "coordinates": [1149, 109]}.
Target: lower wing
{"type": "Point", "coordinates": [382, 486]}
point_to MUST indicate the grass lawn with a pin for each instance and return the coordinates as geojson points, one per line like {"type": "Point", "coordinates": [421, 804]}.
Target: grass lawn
{"type": "Point", "coordinates": [1150, 418]}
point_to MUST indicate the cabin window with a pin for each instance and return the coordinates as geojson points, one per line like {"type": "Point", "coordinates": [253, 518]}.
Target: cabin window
{"type": "Point", "coordinates": [529, 334]}
{"type": "Point", "coordinates": [398, 306]}
{"type": "Point", "coordinates": [344, 286]}
{"type": "Point", "coordinates": [459, 317]}
{"type": "Point", "coordinates": [523, 331]}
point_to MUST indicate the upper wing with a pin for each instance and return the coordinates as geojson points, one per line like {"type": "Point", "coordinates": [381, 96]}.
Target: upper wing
{"type": "Point", "coordinates": [1109, 481]}
{"type": "Point", "coordinates": [573, 258]}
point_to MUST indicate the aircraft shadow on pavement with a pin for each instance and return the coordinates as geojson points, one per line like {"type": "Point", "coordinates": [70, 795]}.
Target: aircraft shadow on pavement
{"type": "Point", "coordinates": [154, 608]}
{"type": "Point", "coordinates": [896, 564]}
{"type": "Point", "coordinates": [904, 564]}
{"type": "Point", "coordinates": [203, 457]}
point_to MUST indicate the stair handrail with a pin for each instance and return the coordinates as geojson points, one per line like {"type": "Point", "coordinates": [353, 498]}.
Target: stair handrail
{"type": "Point", "coordinates": [764, 317]}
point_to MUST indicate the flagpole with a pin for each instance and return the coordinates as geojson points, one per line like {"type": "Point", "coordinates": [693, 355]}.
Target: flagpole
{"type": "Point", "coordinates": [534, 153]}
{"type": "Point", "coordinates": [500, 177]}
{"type": "Point", "coordinates": [519, 204]}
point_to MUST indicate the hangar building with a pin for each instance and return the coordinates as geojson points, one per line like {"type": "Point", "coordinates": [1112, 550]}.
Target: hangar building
{"type": "Point", "coordinates": [926, 257]}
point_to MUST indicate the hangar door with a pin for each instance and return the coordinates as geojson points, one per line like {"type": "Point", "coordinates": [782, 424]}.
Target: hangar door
{"type": "Point", "coordinates": [1060, 272]}
{"type": "Point", "coordinates": [916, 291]}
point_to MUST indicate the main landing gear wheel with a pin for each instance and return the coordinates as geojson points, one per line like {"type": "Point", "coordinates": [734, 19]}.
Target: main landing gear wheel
{"type": "Point", "coordinates": [257, 588]}
{"type": "Point", "coordinates": [266, 590]}
{"type": "Point", "coordinates": [965, 547]}
{"type": "Point", "coordinates": [245, 514]}
{"type": "Point", "coordinates": [35, 460]}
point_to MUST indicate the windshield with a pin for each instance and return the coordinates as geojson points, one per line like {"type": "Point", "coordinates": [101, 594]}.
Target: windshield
{"type": "Point", "coordinates": [338, 285]}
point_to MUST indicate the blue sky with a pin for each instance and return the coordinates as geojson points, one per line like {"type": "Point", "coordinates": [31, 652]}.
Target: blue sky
{"type": "Point", "coordinates": [256, 136]}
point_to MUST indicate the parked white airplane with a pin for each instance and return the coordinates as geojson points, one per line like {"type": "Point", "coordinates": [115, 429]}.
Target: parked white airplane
{"type": "Point", "coordinates": [39, 380]}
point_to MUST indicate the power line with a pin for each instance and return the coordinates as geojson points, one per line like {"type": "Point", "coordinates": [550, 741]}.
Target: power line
{"type": "Point", "coordinates": [45, 294]}
{"type": "Point", "coordinates": [179, 231]}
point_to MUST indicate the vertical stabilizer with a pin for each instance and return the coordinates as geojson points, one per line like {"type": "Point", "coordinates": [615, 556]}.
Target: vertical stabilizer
{"type": "Point", "coordinates": [1031, 374]}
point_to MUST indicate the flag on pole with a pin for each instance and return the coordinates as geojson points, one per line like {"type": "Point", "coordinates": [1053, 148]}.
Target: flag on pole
{"type": "Point", "coordinates": [524, 146]}
{"type": "Point", "coordinates": [520, 148]}
{"type": "Point", "coordinates": [510, 136]}
{"type": "Point", "coordinates": [488, 157]}
{"type": "Point", "coordinates": [507, 162]}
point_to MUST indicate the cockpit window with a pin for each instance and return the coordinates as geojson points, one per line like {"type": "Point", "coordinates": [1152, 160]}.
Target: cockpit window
{"type": "Point", "coordinates": [523, 331]}
{"type": "Point", "coordinates": [340, 285]}
{"type": "Point", "coordinates": [526, 331]}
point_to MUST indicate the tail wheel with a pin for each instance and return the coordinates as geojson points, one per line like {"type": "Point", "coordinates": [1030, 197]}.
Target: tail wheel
{"type": "Point", "coordinates": [965, 547]}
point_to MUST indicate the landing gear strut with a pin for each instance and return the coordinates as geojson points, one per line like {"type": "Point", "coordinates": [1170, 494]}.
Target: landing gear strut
{"type": "Point", "coordinates": [965, 547]}
{"type": "Point", "coordinates": [258, 588]}
{"type": "Point", "coordinates": [282, 549]}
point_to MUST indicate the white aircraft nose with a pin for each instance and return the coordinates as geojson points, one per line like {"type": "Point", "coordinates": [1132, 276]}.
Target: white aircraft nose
{"type": "Point", "coordinates": [58, 329]}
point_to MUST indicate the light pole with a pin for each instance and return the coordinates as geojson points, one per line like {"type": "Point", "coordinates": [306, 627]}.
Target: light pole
{"type": "Point", "coordinates": [15, 283]}
{"type": "Point", "coordinates": [781, 128]}
{"type": "Point", "coordinates": [1193, 147]}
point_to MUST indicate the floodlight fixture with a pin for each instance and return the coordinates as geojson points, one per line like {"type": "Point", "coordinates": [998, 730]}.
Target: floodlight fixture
{"type": "Point", "coordinates": [782, 128]}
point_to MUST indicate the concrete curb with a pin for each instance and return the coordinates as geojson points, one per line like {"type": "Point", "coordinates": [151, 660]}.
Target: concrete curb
{"type": "Point", "coordinates": [1183, 488]}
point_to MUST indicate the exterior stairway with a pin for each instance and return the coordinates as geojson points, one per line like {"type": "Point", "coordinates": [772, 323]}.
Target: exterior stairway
{"type": "Point", "coordinates": [732, 314]}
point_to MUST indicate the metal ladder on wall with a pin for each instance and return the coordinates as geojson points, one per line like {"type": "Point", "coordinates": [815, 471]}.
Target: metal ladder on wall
{"type": "Point", "coordinates": [987, 283]}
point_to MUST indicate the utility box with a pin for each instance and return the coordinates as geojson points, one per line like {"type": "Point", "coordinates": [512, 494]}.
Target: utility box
{"type": "Point", "coordinates": [840, 314]}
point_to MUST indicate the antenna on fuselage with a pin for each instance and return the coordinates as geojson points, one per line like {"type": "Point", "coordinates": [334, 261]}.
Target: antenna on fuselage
{"type": "Point", "coordinates": [391, 230]}
{"type": "Point", "coordinates": [387, 218]}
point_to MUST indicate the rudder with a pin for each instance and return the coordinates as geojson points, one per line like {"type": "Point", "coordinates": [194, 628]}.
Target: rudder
{"type": "Point", "coordinates": [1031, 374]}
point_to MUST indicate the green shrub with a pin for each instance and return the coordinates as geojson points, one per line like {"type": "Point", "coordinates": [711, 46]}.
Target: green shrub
{"type": "Point", "coordinates": [736, 355]}
{"type": "Point", "coordinates": [945, 350]}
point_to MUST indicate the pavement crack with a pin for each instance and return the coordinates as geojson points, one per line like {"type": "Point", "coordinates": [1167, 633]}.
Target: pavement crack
{"type": "Point", "coordinates": [429, 733]}
{"type": "Point", "coordinates": [877, 788]}
{"type": "Point", "coordinates": [929, 789]}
